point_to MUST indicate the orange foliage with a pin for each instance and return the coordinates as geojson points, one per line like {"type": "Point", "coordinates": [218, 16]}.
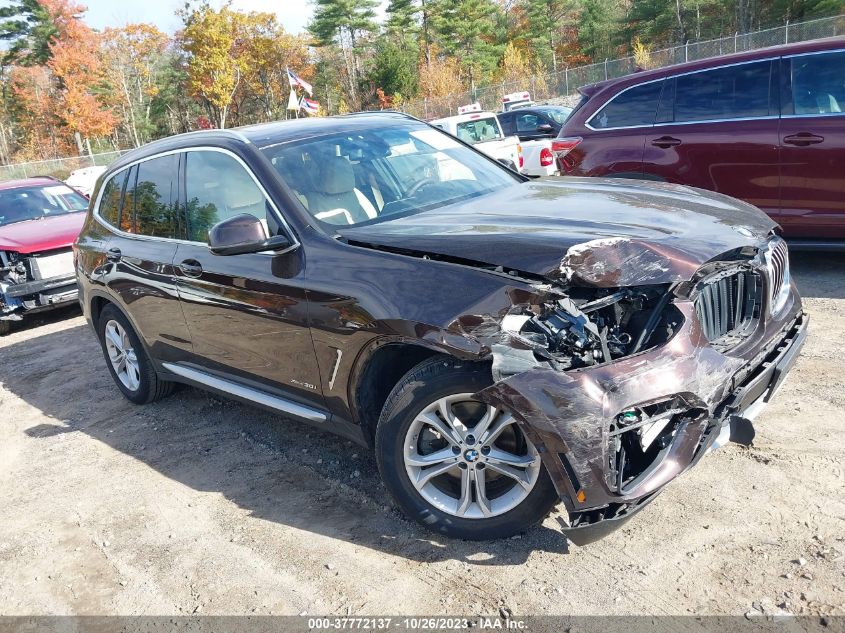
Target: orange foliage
{"type": "Point", "coordinates": [75, 64]}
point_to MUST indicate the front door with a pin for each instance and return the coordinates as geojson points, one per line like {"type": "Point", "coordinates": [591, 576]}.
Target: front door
{"type": "Point", "coordinates": [717, 129]}
{"type": "Point", "coordinates": [247, 314]}
{"type": "Point", "coordinates": [812, 146]}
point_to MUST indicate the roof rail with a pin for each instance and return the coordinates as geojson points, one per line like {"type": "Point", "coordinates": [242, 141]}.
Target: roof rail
{"type": "Point", "coordinates": [224, 131]}
{"type": "Point", "coordinates": [399, 112]}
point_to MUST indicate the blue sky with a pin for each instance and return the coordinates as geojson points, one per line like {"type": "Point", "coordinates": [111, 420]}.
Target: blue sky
{"type": "Point", "coordinates": [293, 14]}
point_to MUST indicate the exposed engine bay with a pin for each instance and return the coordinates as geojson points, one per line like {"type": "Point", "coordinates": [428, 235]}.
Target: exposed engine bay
{"type": "Point", "coordinates": [586, 327]}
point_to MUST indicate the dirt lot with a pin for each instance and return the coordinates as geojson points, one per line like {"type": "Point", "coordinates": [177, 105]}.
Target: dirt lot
{"type": "Point", "coordinates": [200, 505]}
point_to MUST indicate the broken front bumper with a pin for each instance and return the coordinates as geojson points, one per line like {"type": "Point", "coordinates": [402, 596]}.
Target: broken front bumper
{"type": "Point", "coordinates": [571, 416]}
{"type": "Point", "coordinates": [36, 295]}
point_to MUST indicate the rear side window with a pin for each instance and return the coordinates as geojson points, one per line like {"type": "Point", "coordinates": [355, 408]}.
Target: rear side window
{"type": "Point", "coordinates": [218, 187]}
{"type": "Point", "coordinates": [633, 107]}
{"type": "Point", "coordinates": [155, 197]}
{"type": "Point", "coordinates": [818, 83]}
{"type": "Point", "coordinates": [734, 92]}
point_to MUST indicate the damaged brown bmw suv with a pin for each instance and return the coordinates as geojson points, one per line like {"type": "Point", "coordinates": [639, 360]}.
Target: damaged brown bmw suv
{"type": "Point", "coordinates": [502, 344]}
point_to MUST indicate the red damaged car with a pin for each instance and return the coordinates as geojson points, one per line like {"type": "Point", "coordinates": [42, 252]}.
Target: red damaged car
{"type": "Point", "coordinates": [766, 126]}
{"type": "Point", "coordinates": [39, 220]}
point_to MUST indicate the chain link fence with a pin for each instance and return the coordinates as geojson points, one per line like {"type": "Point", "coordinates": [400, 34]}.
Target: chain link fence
{"type": "Point", "coordinates": [562, 85]}
{"type": "Point", "coordinates": [58, 168]}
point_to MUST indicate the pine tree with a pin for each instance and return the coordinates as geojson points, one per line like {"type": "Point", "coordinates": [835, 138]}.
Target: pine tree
{"type": "Point", "coordinates": [466, 29]}
{"type": "Point", "coordinates": [544, 21]}
{"type": "Point", "coordinates": [344, 23]}
{"type": "Point", "coordinates": [27, 24]}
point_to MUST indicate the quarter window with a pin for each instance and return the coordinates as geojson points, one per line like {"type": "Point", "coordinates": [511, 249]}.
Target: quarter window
{"type": "Point", "coordinates": [110, 200]}
{"type": "Point", "coordinates": [818, 83]}
{"type": "Point", "coordinates": [218, 187]}
{"type": "Point", "coordinates": [635, 106]}
{"type": "Point", "coordinates": [734, 92]}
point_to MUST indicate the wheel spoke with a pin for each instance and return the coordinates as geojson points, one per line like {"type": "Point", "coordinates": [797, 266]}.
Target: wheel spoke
{"type": "Point", "coordinates": [426, 475]}
{"type": "Point", "coordinates": [115, 338]}
{"type": "Point", "coordinates": [521, 477]}
{"type": "Point", "coordinates": [447, 432]}
{"type": "Point", "coordinates": [467, 484]}
{"type": "Point", "coordinates": [437, 457]}
{"type": "Point", "coordinates": [495, 430]}
{"type": "Point", "coordinates": [481, 492]}
{"type": "Point", "coordinates": [484, 423]}
{"type": "Point", "coordinates": [498, 456]}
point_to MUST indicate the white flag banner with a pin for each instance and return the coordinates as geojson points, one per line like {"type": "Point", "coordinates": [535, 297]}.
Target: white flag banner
{"type": "Point", "coordinates": [293, 104]}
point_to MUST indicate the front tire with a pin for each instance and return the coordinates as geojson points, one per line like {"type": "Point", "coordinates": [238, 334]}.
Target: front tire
{"type": "Point", "coordinates": [459, 467]}
{"type": "Point", "coordinates": [127, 360]}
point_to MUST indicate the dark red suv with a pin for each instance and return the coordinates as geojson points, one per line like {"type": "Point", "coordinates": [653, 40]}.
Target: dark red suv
{"type": "Point", "coordinates": [766, 126]}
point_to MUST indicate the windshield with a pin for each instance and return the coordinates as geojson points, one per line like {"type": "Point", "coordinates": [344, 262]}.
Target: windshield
{"type": "Point", "coordinates": [478, 131]}
{"type": "Point", "coordinates": [34, 203]}
{"type": "Point", "coordinates": [373, 175]}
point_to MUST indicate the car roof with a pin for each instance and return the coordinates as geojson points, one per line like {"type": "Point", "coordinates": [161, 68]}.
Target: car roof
{"type": "Point", "coordinates": [812, 46]}
{"type": "Point", "coordinates": [266, 134]}
{"type": "Point", "coordinates": [37, 181]}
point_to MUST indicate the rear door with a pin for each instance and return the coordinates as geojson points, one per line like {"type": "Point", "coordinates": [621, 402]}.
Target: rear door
{"type": "Point", "coordinates": [718, 129]}
{"type": "Point", "coordinates": [247, 314]}
{"type": "Point", "coordinates": [141, 252]}
{"type": "Point", "coordinates": [812, 146]}
{"type": "Point", "coordinates": [614, 144]}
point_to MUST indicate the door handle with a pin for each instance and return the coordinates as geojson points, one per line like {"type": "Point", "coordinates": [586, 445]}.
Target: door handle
{"type": "Point", "coordinates": [114, 255]}
{"type": "Point", "coordinates": [666, 141]}
{"type": "Point", "coordinates": [191, 268]}
{"type": "Point", "coordinates": [802, 139]}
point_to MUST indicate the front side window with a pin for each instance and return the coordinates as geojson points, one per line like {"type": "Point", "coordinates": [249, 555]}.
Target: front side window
{"type": "Point", "coordinates": [633, 107]}
{"type": "Point", "coordinates": [218, 187]}
{"type": "Point", "coordinates": [372, 175]}
{"type": "Point", "coordinates": [478, 130]}
{"type": "Point", "coordinates": [527, 122]}
{"type": "Point", "coordinates": [155, 197]}
{"type": "Point", "coordinates": [37, 202]}
{"type": "Point", "coordinates": [818, 83]}
{"type": "Point", "coordinates": [734, 92]}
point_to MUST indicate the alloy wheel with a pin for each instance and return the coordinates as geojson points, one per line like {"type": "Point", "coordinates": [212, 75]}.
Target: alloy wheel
{"type": "Point", "coordinates": [470, 459]}
{"type": "Point", "coordinates": [122, 356]}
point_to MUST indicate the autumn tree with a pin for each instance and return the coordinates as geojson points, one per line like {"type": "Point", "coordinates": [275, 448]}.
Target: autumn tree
{"type": "Point", "coordinates": [265, 51]}
{"type": "Point", "coordinates": [208, 39]}
{"type": "Point", "coordinates": [134, 59]}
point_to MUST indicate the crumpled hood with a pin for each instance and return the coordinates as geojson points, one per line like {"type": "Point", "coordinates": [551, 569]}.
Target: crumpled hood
{"type": "Point", "coordinates": [595, 231]}
{"type": "Point", "coordinates": [33, 236]}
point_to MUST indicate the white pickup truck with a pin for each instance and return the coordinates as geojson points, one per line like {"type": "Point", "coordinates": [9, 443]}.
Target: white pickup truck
{"type": "Point", "coordinates": [482, 130]}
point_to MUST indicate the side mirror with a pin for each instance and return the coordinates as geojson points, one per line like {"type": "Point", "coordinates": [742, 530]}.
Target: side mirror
{"type": "Point", "coordinates": [545, 128]}
{"type": "Point", "coordinates": [243, 233]}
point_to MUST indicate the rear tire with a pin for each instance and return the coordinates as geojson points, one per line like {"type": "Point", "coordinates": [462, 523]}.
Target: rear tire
{"type": "Point", "coordinates": [127, 360]}
{"type": "Point", "coordinates": [477, 477]}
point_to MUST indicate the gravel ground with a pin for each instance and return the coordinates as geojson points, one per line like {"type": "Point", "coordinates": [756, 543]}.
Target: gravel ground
{"type": "Point", "coordinates": [201, 505]}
